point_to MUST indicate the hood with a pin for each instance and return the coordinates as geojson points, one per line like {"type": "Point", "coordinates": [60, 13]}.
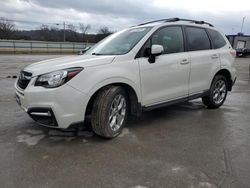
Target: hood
{"type": "Point", "coordinates": [50, 65]}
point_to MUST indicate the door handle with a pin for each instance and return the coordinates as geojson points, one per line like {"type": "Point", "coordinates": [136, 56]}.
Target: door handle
{"type": "Point", "coordinates": [214, 56]}
{"type": "Point", "coordinates": [184, 62]}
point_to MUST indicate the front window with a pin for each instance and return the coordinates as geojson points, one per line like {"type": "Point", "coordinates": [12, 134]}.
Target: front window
{"type": "Point", "coordinates": [171, 38]}
{"type": "Point", "coordinates": [119, 43]}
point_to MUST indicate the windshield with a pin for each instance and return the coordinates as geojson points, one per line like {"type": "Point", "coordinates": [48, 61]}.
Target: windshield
{"type": "Point", "coordinates": [119, 43]}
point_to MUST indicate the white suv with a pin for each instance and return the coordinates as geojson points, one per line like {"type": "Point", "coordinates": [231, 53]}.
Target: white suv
{"type": "Point", "coordinates": [151, 65]}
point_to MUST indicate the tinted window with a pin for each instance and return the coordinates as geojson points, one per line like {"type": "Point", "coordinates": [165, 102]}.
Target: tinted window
{"type": "Point", "coordinates": [217, 39]}
{"type": "Point", "coordinates": [197, 39]}
{"type": "Point", "coordinates": [170, 38]}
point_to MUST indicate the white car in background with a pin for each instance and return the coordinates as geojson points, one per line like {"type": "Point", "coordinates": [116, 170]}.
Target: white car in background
{"type": "Point", "coordinates": [144, 67]}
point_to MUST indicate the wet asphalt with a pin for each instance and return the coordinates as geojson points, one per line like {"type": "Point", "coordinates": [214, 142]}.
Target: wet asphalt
{"type": "Point", "coordinates": [185, 145]}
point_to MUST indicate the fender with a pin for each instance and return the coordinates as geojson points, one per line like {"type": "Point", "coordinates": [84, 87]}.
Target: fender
{"type": "Point", "coordinates": [116, 80]}
{"type": "Point", "coordinates": [219, 69]}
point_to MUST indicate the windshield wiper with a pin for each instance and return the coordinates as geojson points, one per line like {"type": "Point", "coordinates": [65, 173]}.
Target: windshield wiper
{"type": "Point", "coordinates": [96, 53]}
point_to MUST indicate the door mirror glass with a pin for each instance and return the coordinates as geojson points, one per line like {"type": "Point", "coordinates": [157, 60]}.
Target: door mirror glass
{"type": "Point", "coordinates": [157, 49]}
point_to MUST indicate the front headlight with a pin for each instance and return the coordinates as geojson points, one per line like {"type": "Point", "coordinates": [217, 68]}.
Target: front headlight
{"type": "Point", "coordinates": [57, 78]}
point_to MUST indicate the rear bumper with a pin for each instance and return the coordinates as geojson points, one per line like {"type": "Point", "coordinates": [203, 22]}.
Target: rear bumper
{"type": "Point", "coordinates": [58, 108]}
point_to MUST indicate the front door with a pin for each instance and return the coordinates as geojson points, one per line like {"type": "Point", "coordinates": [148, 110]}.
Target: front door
{"type": "Point", "coordinates": [168, 77]}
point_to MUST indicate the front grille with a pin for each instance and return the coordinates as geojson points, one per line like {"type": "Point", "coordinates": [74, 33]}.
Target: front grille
{"type": "Point", "coordinates": [24, 79]}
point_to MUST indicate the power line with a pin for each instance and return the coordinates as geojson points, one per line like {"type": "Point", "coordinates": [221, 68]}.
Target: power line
{"type": "Point", "coordinates": [42, 23]}
{"type": "Point", "coordinates": [24, 21]}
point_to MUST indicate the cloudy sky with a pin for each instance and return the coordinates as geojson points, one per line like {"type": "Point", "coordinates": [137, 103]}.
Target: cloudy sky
{"type": "Point", "coordinates": [118, 14]}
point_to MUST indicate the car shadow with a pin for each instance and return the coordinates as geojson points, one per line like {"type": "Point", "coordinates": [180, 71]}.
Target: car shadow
{"type": "Point", "coordinates": [33, 134]}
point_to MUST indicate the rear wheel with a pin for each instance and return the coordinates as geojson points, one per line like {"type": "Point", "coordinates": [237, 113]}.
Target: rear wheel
{"type": "Point", "coordinates": [217, 92]}
{"type": "Point", "coordinates": [109, 112]}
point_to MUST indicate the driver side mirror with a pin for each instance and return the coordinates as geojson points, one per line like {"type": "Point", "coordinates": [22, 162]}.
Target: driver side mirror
{"type": "Point", "coordinates": [156, 50]}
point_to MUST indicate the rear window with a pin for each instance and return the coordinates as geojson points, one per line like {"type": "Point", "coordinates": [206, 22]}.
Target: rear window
{"type": "Point", "coordinates": [217, 39]}
{"type": "Point", "coordinates": [197, 39]}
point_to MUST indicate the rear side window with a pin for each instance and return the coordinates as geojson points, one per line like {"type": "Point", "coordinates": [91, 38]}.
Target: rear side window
{"type": "Point", "coordinates": [197, 39]}
{"type": "Point", "coordinates": [217, 39]}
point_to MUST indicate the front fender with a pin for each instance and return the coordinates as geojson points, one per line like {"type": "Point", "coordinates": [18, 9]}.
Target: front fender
{"type": "Point", "coordinates": [92, 79]}
{"type": "Point", "coordinates": [116, 80]}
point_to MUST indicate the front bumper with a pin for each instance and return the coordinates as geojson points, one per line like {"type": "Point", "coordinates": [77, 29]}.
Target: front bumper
{"type": "Point", "coordinates": [53, 107]}
{"type": "Point", "coordinates": [43, 116]}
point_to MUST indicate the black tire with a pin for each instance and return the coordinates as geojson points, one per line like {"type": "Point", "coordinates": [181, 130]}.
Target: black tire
{"type": "Point", "coordinates": [209, 100]}
{"type": "Point", "coordinates": [101, 111]}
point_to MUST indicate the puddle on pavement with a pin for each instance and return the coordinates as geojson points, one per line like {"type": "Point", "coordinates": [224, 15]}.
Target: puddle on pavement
{"type": "Point", "coordinates": [32, 137]}
{"type": "Point", "coordinates": [30, 140]}
{"type": "Point", "coordinates": [33, 131]}
{"type": "Point", "coordinates": [125, 132]}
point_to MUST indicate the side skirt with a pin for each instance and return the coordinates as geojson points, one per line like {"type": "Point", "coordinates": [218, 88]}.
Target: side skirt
{"type": "Point", "coordinates": [169, 103]}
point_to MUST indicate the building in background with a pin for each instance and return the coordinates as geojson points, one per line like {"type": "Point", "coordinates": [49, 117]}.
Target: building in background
{"type": "Point", "coordinates": [239, 41]}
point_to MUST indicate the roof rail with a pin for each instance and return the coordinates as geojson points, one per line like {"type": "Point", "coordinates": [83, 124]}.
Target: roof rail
{"type": "Point", "coordinates": [162, 20]}
{"type": "Point", "coordinates": [177, 19]}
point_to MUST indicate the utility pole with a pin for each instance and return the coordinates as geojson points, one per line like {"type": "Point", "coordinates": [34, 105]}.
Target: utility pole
{"type": "Point", "coordinates": [64, 25]}
{"type": "Point", "coordinates": [243, 20]}
{"type": "Point", "coordinates": [63, 31]}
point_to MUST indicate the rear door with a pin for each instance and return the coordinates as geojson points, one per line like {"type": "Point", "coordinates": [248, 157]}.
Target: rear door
{"type": "Point", "coordinates": [204, 60]}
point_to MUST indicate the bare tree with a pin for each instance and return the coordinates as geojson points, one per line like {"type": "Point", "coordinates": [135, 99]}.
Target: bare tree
{"type": "Point", "coordinates": [84, 29]}
{"type": "Point", "coordinates": [71, 28]}
{"type": "Point", "coordinates": [44, 32]}
{"type": "Point", "coordinates": [44, 27]}
{"type": "Point", "coordinates": [71, 33]}
{"type": "Point", "coordinates": [102, 33]}
{"type": "Point", "coordinates": [7, 28]}
{"type": "Point", "coordinates": [104, 30]}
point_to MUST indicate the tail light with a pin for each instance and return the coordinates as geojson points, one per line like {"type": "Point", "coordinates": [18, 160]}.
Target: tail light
{"type": "Point", "coordinates": [233, 53]}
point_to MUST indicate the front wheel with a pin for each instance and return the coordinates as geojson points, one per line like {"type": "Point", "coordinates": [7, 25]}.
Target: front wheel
{"type": "Point", "coordinates": [217, 92]}
{"type": "Point", "coordinates": [109, 112]}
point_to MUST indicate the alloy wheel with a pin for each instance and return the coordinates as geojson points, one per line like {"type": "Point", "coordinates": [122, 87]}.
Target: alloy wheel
{"type": "Point", "coordinates": [117, 112]}
{"type": "Point", "coordinates": [219, 92]}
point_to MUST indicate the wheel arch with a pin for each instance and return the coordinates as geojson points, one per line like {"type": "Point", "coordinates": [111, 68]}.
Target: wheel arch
{"type": "Point", "coordinates": [134, 100]}
{"type": "Point", "coordinates": [227, 74]}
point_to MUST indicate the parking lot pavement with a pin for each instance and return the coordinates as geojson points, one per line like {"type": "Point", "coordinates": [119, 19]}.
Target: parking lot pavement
{"type": "Point", "coordinates": [184, 145]}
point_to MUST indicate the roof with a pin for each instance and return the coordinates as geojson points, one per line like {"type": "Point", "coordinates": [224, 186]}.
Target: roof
{"type": "Point", "coordinates": [173, 20]}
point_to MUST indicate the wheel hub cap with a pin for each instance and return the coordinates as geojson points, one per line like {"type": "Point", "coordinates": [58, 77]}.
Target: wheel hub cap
{"type": "Point", "coordinates": [219, 92]}
{"type": "Point", "coordinates": [117, 112]}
